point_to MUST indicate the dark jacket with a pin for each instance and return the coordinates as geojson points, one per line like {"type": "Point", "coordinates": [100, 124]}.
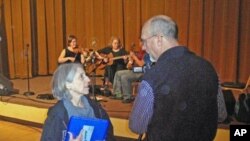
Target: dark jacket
{"type": "Point", "coordinates": [56, 123]}
{"type": "Point", "coordinates": [185, 90]}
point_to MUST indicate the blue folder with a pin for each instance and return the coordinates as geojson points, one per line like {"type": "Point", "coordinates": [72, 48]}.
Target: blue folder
{"type": "Point", "coordinates": [93, 129]}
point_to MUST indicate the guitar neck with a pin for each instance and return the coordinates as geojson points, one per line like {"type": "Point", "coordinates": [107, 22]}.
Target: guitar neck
{"type": "Point", "coordinates": [118, 57]}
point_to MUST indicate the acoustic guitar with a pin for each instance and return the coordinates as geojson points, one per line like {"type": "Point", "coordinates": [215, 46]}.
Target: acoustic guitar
{"type": "Point", "coordinates": [110, 58]}
{"type": "Point", "coordinates": [101, 64]}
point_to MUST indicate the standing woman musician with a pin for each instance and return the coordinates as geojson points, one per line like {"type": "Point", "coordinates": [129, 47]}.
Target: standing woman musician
{"type": "Point", "coordinates": [72, 53]}
{"type": "Point", "coordinates": [115, 50]}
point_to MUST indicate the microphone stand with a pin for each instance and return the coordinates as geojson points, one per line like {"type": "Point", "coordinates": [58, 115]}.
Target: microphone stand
{"type": "Point", "coordinates": [93, 76]}
{"type": "Point", "coordinates": [93, 80]}
{"type": "Point", "coordinates": [28, 93]}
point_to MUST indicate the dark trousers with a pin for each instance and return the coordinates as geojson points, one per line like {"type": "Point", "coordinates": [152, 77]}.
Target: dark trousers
{"type": "Point", "coordinates": [110, 71]}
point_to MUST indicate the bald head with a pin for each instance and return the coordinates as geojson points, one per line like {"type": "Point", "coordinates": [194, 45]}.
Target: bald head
{"type": "Point", "coordinates": [161, 24]}
{"type": "Point", "coordinates": [159, 34]}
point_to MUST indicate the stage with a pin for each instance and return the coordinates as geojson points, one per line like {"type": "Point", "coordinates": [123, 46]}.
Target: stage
{"type": "Point", "coordinates": [30, 110]}
{"type": "Point", "coordinates": [41, 86]}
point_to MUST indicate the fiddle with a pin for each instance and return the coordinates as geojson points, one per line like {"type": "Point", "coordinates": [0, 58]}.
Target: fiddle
{"type": "Point", "coordinates": [77, 49]}
{"type": "Point", "coordinates": [80, 50]}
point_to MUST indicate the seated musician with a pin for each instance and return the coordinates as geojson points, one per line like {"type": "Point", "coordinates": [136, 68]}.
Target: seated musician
{"type": "Point", "coordinates": [122, 87]}
{"type": "Point", "coordinates": [72, 53]}
{"type": "Point", "coordinates": [107, 53]}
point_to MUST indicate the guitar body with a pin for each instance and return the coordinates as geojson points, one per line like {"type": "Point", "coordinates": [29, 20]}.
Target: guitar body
{"type": "Point", "coordinates": [109, 60]}
{"type": "Point", "coordinates": [98, 64]}
{"type": "Point", "coordinates": [92, 63]}
{"type": "Point", "coordinates": [102, 64]}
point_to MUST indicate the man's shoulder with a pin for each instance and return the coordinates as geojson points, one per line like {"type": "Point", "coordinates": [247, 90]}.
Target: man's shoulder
{"type": "Point", "coordinates": [203, 62]}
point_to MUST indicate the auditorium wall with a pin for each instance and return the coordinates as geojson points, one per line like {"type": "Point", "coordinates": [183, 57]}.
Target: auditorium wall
{"type": "Point", "coordinates": [218, 30]}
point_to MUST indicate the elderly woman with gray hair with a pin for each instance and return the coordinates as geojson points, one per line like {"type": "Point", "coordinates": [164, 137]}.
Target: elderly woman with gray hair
{"type": "Point", "coordinates": [70, 86]}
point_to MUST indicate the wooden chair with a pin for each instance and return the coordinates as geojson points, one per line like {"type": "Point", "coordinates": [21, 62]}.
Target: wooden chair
{"type": "Point", "coordinates": [242, 88]}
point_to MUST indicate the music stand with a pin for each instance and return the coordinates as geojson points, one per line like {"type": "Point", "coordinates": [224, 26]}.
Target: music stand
{"type": "Point", "coordinates": [28, 93]}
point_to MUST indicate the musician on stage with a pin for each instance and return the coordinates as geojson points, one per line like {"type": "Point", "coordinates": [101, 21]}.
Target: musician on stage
{"type": "Point", "coordinates": [122, 87]}
{"type": "Point", "coordinates": [114, 50]}
{"type": "Point", "coordinates": [71, 54]}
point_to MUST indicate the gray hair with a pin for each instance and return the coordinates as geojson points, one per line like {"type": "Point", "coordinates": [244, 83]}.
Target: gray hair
{"type": "Point", "coordinates": [63, 74]}
{"type": "Point", "coordinates": [165, 25]}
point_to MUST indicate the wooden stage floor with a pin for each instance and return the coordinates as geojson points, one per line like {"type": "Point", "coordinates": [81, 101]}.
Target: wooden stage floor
{"type": "Point", "coordinates": [115, 108]}
{"type": "Point", "coordinates": [41, 85]}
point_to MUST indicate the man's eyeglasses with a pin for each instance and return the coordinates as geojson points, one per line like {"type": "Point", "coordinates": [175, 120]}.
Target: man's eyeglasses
{"type": "Point", "coordinates": [144, 41]}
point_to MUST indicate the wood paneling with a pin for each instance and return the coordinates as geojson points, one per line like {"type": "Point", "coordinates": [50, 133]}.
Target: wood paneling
{"type": "Point", "coordinates": [70, 17]}
{"type": "Point", "coordinates": [170, 8]}
{"type": "Point", "coordinates": [225, 49]}
{"type": "Point", "coordinates": [217, 30]}
{"type": "Point", "coordinates": [42, 38]}
{"type": "Point", "coordinates": [132, 23]}
{"type": "Point", "coordinates": [17, 31]}
{"type": "Point", "coordinates": [80, 23]}
{"type": "Point", "coordinates": [98, 23]}
{"type": "Point", "coordinates": [51, 35]}
{"type": "Point", "coordinates": [208, 29]}
{"type": "Point", "coordinates": [155, 7]}
{"type": "Point", "coordinates": [182, 19]}
{"type": "Point", "coordinates": [116, 19]}
{"type": "Point", "coordinates": [195, 29]}
{"type": "Point", "coordinates": [26, 35]}
{"type": "Point", "coordinates": [89, 23]}
{"type": "Point", "coordinates": [59, 37]}
{"type": "Point", "coordinates": [244, 42]}
{"type": "Point", "coordinates": [8, 27]}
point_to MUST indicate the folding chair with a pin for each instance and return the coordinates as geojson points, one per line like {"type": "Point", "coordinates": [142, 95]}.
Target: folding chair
{"type": "Point", "coordinates": [239, 87]}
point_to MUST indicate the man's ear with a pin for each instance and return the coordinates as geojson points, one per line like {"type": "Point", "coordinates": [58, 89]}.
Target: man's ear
{"type": "Point", "coordinates": [68, 85]}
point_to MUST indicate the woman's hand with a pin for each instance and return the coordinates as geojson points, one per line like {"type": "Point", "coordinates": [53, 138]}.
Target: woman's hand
{"type": "Point", "coordinates": [125, 57]}
{"type": "Point", "coordinates": [72, 59]}
{"type": "Point", "coordinates": [105, 60]}
{"type": "Point", "coordinates": [78, 138]}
